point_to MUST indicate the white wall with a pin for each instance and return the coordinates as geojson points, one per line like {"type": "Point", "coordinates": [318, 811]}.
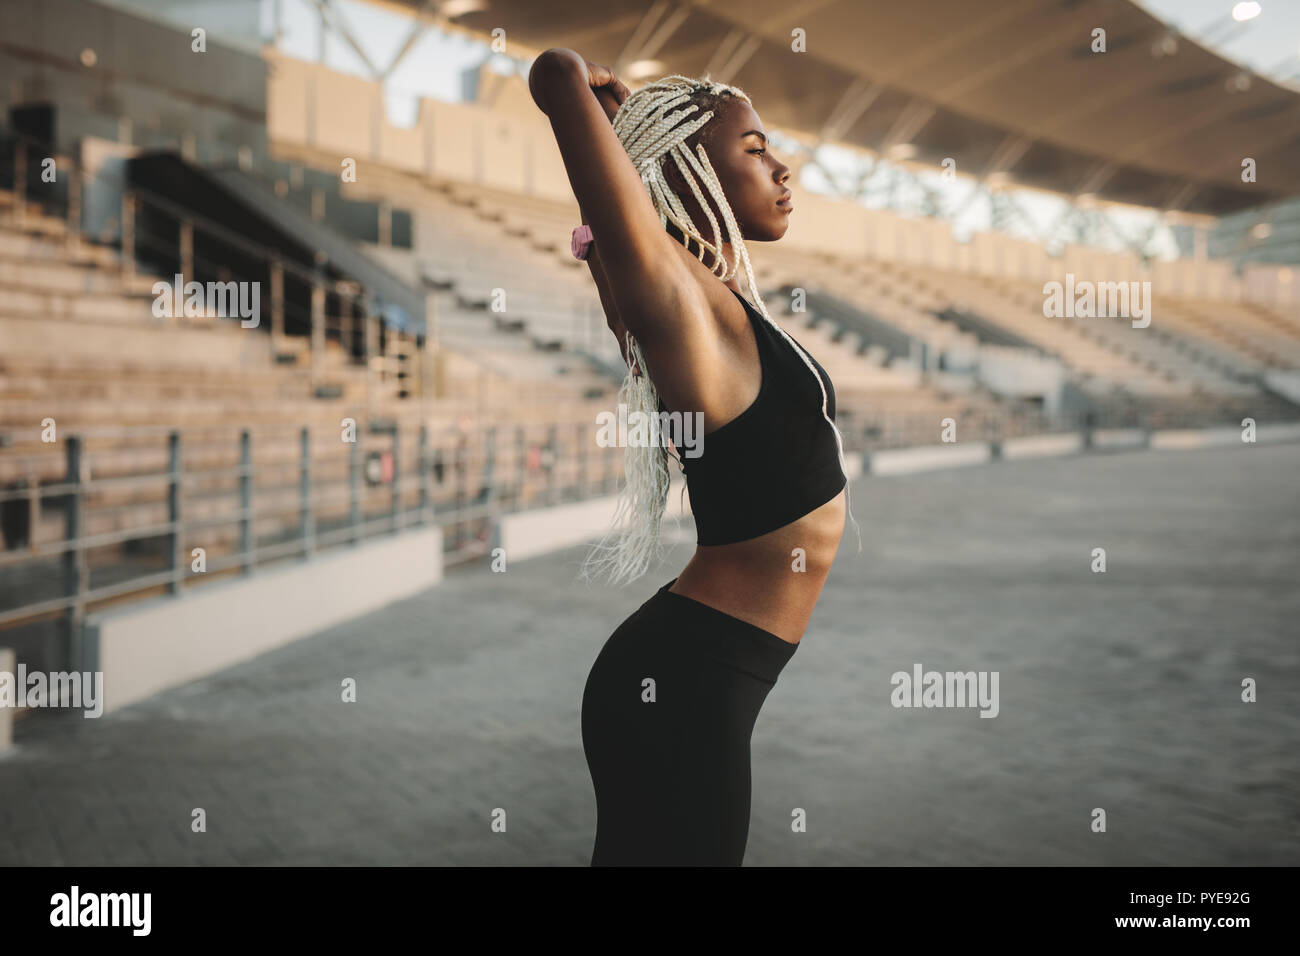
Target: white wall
{"type": "Point", "coordinates": [146, 648]}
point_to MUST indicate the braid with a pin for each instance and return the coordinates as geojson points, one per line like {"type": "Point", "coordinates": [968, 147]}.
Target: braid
{"type": "Point", "coordinates": [653, 125]}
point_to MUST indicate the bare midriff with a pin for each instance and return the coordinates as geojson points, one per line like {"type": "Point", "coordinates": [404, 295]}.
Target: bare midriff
{"type": "Point", "coordinates": [763, 580]}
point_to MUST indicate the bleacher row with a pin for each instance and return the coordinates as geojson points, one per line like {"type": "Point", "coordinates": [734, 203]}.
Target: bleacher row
{"type": "Point", "coordinates": [473, 238]}
{"type": "Point", "coordinates": [79, 345]}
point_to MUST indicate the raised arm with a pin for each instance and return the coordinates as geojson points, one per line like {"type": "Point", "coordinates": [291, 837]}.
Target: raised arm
{"type": "Point", "coordinates": [606, 297]}
{"type": "Point", "coordinates": [652, 292]}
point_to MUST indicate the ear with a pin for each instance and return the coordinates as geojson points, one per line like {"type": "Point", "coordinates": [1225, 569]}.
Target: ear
{"type": "Point", "coordinates": [673, 176]}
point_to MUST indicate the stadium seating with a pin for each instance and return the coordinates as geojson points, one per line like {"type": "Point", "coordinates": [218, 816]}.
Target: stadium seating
{"type": "Point", "coordinates": [79, 344]}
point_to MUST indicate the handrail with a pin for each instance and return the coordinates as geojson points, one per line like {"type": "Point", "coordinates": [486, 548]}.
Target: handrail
{"type": "Point", "coordinates": [327, 477]}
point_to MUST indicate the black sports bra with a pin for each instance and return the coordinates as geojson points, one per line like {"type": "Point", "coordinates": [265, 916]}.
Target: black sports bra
{"type": "Point", "coordinates": [774, 462]}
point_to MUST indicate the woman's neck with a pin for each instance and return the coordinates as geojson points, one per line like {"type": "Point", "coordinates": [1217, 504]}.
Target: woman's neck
{"type": "Point", "coordinates": [694, 247]}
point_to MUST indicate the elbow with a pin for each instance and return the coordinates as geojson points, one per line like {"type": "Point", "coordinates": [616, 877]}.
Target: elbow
{"type": "Point", "coordinates": [548, 64]}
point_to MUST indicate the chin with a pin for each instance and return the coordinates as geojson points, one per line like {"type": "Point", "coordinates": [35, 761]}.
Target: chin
{"type": "Point", "coordinates": [765, 230]}
{"type": "Point", "coordinates": [770, 231]}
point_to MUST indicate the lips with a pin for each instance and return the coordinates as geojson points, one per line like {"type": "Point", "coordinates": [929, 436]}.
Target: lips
{"type": "Point", "coordinates": [785, 202]}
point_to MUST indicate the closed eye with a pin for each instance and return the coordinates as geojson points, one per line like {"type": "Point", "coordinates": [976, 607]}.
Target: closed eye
{"type": "Point", "coordinates": [760, 152]}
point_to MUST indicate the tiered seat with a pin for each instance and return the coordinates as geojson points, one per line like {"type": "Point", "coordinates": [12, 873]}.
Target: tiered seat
{"type": "Point", "coordinates": [483, 243]}
{"type": "Point", "coordinates": [79, 344]}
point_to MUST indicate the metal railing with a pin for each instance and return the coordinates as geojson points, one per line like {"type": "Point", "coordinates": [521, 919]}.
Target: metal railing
{"type": "Point", "coordinates": [248, 495]}
{"type": "Point", "coordinates": [230, 506]}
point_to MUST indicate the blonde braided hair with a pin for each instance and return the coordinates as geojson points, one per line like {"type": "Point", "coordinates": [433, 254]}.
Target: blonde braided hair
{"type": "Point", "coordinates": [653, 129]}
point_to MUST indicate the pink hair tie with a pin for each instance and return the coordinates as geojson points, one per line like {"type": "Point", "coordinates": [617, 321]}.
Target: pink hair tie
{"type": "Point", "coordinates": [581, 241]}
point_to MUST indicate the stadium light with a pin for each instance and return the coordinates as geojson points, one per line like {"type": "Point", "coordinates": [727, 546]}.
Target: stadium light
{"type": "Point", "coordinates": [901, 151]}
{"type": "Point", "coordinates": [1244, 11]}
{"type": "Point", "coordinates": [458, 8]}
{"type": "Point", "coordinates": [640, 69]}
{"type": "Point", "coordinates": [1222, 28]}
{"type": "Point", "coordinates": [1166, 45]}
{"type": "Point", "coordinates": [1238, 83]}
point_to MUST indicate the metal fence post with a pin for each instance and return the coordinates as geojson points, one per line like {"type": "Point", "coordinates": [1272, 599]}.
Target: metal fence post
{"type": "Point", "coordinates": [76, 578]}
{"type": "Point", "coordinates": [551, 469]}
{"type": "Point", "coordinates": [128, 235]}
{"type": "Point", "coordinates": [426, 476]}
{"type": "Point", "coordinates": [370, 336]}
{"type": "Point", "coordinates": [491, 503]}
{"type": "Point", "coordinates": [489, 479]}
{"type": "Point", "coordinates": [397, 476]}
{"type": "Point", "coordinates": [317, 329]}
{"type": "Point", "coordinates": [304, 493]}
{"type": "Point", "coordinates": [186, 252]}
{"type": "Point", "coordinates": [354, 490]}
{"type": "Point", "coordinates": [20, 181]}
{"type": "Point", "coordinates": [277, 303]}
{"type": "Point", "coordinates": [385, 224]}
{"type": "Point", "coordinates": [246, 543]}
{"type": "Point", "coordinates": [521, 465]}
{"type": "Point", "coordinates": [347, 320]}
{"type": "Point", "coordinates": [462, 470]}
{"type": "Point", "coordinates": [580, 491]}
{"type": "Point", "coordinates": [74, 208]}
{"type": "Point", "coordinates": [176, 560]}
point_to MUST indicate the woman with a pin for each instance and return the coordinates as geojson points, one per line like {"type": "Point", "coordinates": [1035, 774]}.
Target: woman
{"type": "Point", "coordinates": [670, 703]}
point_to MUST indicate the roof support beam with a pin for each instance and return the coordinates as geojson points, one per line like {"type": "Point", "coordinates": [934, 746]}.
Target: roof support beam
{"type": "Point", "coordinates": [910, 122]}
{"type": "Point", "coordinates": [1222, 111]}
{"type": "Point", "coordinates": [419, 27]}
{"type": "Point", "coordinates": [1287, 125]}
{"type": "Point", "coordinates": [1097, 177]}
{"type": "Point", "coordinates": [332, 15]}
{"type": "Point", "coordinates": [857, 99]}
{"type": "Point", "coordinates": [1181, 196]}
{"type": "Point", "coordinates": [732, 53]}
{"type": "Point", "coordinates": [652, 32]}
{"type": "Point", "coordinates": [1010, 152]}
{"type": "Point", "coordinates": [640, 34]}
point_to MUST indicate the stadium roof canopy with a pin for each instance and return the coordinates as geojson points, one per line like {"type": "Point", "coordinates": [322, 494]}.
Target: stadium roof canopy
{"type": "Point", "coordinates": [1009, 88]}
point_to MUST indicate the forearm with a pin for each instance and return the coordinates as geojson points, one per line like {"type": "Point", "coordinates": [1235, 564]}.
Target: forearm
{"type": "Point", "coordinates": [602, 282]}
{"type": "Point", "coordinates": [579, 99]}
{"type": "Point", "coordinates": [606, 297]}
{"type": "Point", "coordinates": [560, 77]}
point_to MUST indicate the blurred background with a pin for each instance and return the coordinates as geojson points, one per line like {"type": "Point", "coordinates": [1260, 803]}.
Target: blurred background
{"type": "Point", "coordinates": [388, 392]}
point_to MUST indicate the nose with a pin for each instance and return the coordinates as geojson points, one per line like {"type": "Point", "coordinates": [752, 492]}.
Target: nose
{"type": "Point", "coordinates": [782, 174]}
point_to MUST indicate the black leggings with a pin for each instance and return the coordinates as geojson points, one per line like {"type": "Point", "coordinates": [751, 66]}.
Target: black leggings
{"type": "Point", "coordinates": [672, 776]}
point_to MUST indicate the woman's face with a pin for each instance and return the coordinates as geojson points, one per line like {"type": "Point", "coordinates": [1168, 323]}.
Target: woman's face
{"type": "Point", "coordinates": [752, 178]}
